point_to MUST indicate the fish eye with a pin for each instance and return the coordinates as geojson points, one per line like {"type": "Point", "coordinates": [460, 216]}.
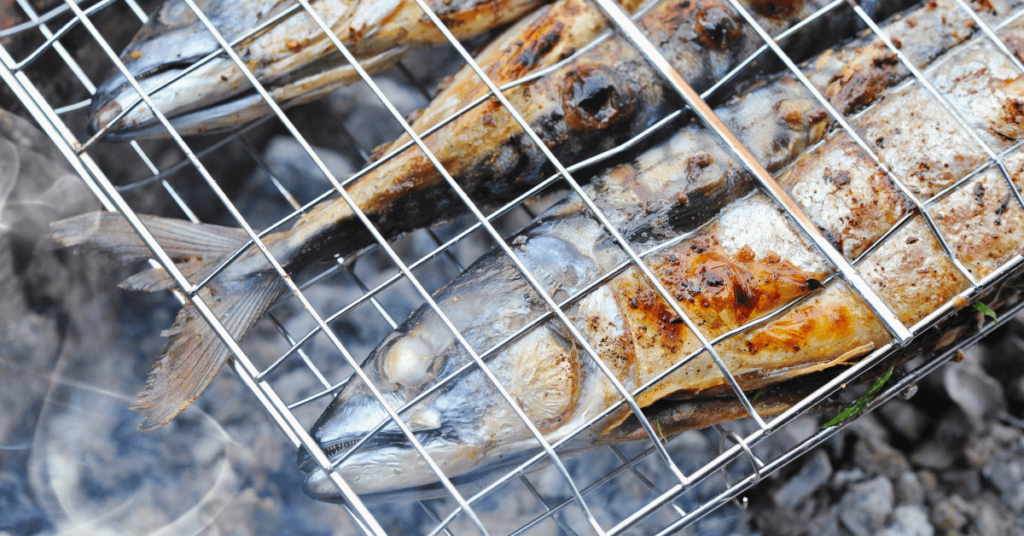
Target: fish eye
{"type": "Point", "coordinates": [408, 361]}
{"type": "Point", "coordinates": [177, 14]}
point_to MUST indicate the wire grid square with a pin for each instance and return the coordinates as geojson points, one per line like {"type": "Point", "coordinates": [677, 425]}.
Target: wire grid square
{"type": "Point", "coordinates": [281, 413]}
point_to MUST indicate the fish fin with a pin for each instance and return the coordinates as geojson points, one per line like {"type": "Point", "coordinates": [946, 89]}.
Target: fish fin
{"type": "Point", "coordinates": [156, 279]}
{"type": "Point", "coordinates": [109, 233]}
{"type": "Point", "coordinates": [195, 354]}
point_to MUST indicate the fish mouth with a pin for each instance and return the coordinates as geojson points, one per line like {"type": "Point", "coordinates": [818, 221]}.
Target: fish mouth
{"type": "Point", "coordinates": [99, 111]}
{"type": "Point", "coordinates": [213, 103]}
{"type": "Point", "coordinates": [381, 440]}
{"type": "Point", "coordinates": [118, 112]}
{"type": "Point", "coordinates": [383, 444]}
{"type": "Point", "coordinates": [319, 486]}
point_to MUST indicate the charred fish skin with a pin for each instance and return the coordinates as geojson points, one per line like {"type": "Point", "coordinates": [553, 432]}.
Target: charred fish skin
{"type": "Point", "coordinates": [670, 188]}
{"type": "Point", "coordinates": [717, 277]}
{"type": "Point", "coordinates": [408, 192]}
{"type": "Point", "coordinates": [557, 387]}
{"type": "Point", "coordinates": [593, 103]}
{"type": "Point", "coordinates": [247, 287]}
{"type": "Point", "coordinates": [292, 58]}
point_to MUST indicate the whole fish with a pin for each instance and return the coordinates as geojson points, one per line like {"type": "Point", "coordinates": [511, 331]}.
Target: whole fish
{"type": "Point", "coordinates": [292, 57]}
{"type": "Point", "coordinates": [297, 63]}
{"type": "Point", "coordinates": [588, 102]}
{"type": "Point", "coordinates": [743, 265]}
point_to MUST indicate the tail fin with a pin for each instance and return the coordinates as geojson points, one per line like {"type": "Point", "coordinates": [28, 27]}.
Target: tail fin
{"type": "Point", "coordinates": [109, 233]}
{"type": "Point", "coordinates": [194, 354]}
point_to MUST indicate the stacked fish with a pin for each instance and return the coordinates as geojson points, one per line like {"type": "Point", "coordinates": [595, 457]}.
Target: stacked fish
{"type": "Point", "coordinates": [727, 256]}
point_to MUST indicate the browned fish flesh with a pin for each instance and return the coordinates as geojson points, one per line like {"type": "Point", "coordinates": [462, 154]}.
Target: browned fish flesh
{"type": "Point", "coordinates": [593, 99]}
{"type": "Point", "coordinates": [746, 266]}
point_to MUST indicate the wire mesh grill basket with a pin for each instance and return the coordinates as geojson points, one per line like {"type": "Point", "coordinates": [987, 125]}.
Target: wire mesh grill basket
{"type": "Point", "coordinates": [79, 149]}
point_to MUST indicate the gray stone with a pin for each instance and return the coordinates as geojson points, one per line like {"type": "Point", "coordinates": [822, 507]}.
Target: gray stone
{"type": "Point", "coordinates": [909, 490]}
{"type": "Point", "coordinates": [1007, 436]}
{"type": "Point", "coordinates": [814, 474]}
{"type": "Point", "coordinates": [908, 521]}
{"type": "Point", "coordinates": [1015, 389]}
{"type": "Point", "coordinates": [988, 521]}
{"type": "Point", "coordinates": [846, 477]}
{"type": "Point", "coordinates": [876, 457]}
{"type": "Point", "coordinates": [978, 450]}
{"type": "Point", "coordinates": [965, 482]}
{"type": "Point", "coordinates": [865, 507]}
{"type": "Point", "coordinates": [1005, 475]}
{"type": "Point", "coordinates": [951, 514]}
{"type": "Point", "coordinates": [935, 454]}
{"type": "Point", "coordinates": [930, 483]}
{"type": "Point", "coordinates": [868, 427]}
{"type": "Point", "coordinates": [979, 395]}
{"type": "Point", "coordinates": [905, 419]}
{"type": "Point", "coordinates": [826, 523]}
{"type": "Point", "coordinates": [1014, 499]}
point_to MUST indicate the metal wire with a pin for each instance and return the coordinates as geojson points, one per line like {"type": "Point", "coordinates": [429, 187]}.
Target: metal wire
{"type": "Point", "coordinates": [259, 380]}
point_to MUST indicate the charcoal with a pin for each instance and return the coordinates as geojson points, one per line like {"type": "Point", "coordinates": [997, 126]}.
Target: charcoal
{"type": "Point", "coordinates": [876, 457]}
{"type": "Point", "coordinates": [865, 507]}
{"type": "Point", "coordinates": [951, 514]}
{"type": "Point", "coordinates": [974, 391]}
{"type": "Point", "coordinates": [905, 419]}
{"type": "Point", "coordinates": [909, 491]}
{"type": "Point", "coordinates": [908, 521]}
{"type": "Point", "coordinates": [813, 475]}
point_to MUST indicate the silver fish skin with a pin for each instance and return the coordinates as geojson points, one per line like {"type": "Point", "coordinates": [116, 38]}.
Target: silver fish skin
{"type": "Point", "coordinates": [298, 65]}
{"type": "Point", "coordinates": [747, 262]}
{"type": "Point", "coordinates": [588, 102]}
{"type": "Point", "coordinates": [293, 59]}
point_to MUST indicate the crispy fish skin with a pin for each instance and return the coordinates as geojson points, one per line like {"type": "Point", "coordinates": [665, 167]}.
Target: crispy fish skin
{"type": "Point", "coordinates": [396, 202]}
{"type": "Point", "coordinates": [593, 102]}
{"type": "Point", "coordinates": [744, 264]}
{"type": "Point", "coordinates": [294, 59]}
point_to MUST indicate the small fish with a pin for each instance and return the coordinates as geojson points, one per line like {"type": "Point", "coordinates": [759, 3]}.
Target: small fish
{"type": "Point", "coordinates": [588, 102]}
{"type": "Point", "coordinates": [292, 58]}
{"type": "Point", "coordinates": [745, 264]}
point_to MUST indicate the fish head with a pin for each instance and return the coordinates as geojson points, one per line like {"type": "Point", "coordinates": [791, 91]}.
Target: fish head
{"type": "Point", "coordinates": [466, 426]}
{"type": "Point", "coordinates": [171, 42]}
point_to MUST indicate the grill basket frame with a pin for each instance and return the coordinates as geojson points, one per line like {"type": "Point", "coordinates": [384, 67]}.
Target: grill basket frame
{"type": "Point", "coordinates": [260, 381]}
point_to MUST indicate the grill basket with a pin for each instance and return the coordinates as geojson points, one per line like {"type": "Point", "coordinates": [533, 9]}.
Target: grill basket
{"type": "Point", "coordinates": [740, 452]}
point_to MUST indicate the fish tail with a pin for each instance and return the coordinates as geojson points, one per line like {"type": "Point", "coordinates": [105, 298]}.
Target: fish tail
{"type": "Point", "coordinates": [194, 354]}
{"type": "Point", "coordinates": [110, 234]}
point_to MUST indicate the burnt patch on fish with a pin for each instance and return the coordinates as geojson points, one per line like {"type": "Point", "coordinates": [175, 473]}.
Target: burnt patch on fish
{"type": "Point", "coordinates": [717, 290]}
{"type": "Point", "coordinates": [862, 81]}
{"type": "Point", "coordinates": [595, 98]}
{"type": "Point", "coordinates": [717, 27]}
{"type": "Point", "coordinates": [526, 53]}
{"type": "Point", "coordinates": [776, 8]}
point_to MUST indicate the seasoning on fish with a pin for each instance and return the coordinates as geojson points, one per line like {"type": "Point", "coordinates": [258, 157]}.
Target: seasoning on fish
{"type": "Point", "coordinates": [588, 103]}
{"type": "Point", "coordinates": [743, 265]}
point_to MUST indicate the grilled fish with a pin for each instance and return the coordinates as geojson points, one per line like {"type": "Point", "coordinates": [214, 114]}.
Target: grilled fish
{"type": "Point", "coordinates": [589, 102]}
{"type": "Point", "coordinates": [291, 57]}
{"type": "Point", "coordinates": [747, 263]}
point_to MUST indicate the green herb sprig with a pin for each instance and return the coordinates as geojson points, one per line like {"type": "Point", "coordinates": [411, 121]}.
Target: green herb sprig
{"type": "Point", "coordinates": [862, 402]}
